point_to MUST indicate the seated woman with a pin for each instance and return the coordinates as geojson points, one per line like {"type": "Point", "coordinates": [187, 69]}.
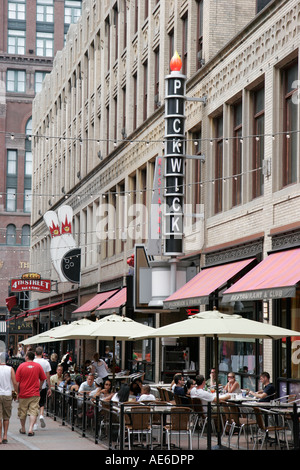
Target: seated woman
{"type": "Point", "coordinates": [190, 383]}
{"type": "Point", "coordinates": [232, 386]}
{"type": "Point", "coordinates": [103, 392]}
{"type": "Point", "coordinates": [122, 395]}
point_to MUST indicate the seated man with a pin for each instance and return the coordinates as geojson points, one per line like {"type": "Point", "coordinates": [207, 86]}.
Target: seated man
{"type": "Point", "coordinates": [268, 391]}
{"type": "Point", "coordinates": [180, 390]}
{"type": "Point", "coordinates": [205, 396]}
{"type": "Point", "coordinates": [146, 395]}
{"type": "Point", "coordinates": [179, 385]}
{"type": "Point", "coordinates": [57, 378]}
{"type": "Point", "coordinates": [87, 386]}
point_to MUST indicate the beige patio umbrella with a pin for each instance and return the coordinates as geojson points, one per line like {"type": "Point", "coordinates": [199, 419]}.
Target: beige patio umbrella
{"type": "Point", "coordinates": [112, 327]}
{"type": "Point", "coordinates": [49, 335]}
{"type": "Point", "coordinates": [220, 325]}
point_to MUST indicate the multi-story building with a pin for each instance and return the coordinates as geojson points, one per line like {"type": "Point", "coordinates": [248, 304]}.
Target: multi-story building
{"type": "Point", "coordinates": [99, 126]}
{"type": "Point", "coordinates": [31, 34]}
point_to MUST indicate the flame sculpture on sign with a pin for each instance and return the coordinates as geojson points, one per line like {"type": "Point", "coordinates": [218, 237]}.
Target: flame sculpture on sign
{"type": "Point", "coordinates": [174, 157]}
{"type": "Point", "coordinates": [65, 256]}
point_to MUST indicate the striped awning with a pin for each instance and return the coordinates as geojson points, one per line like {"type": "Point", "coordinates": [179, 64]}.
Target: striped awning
{"type": "Point", "coordinates": [114, 303]}
{"type": "Point", "coordinates": [95, 302]}
{"type": "Point", "coordinates": [199, 288]}
{"type": "Point", "coordinates": [275, 277]}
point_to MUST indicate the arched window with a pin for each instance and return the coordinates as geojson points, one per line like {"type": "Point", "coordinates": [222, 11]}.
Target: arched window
{"type": "Point", "coordinates": [28, 127]}
{"type": "Point", "coordinates": [11, 234]}
{"type": "Point", "coordinates": [25, 235]}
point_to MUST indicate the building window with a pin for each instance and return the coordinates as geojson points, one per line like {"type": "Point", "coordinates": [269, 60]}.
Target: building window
{"type": "Point", "coordinates": [44, 44]}
{"type": "Point", "coordinates": [16, 42]}
{"type": "Point", "coordinates": [197, 177]}
{"type": "Point", "coordinates": [125, 23]}
{"type": "Point", "coordinates": [136, 15]}
{"type": "Point", "coordinates": [16, 10]}
{"type": "Point", "coordinates": [25, 240]}
{"type": "Point", "coordinates": [72, 11]}
{"type": "Point", "coordinates": [45, 11]}
{"type": "Point", "coordinates": [11, 234]}
{"type": "Point", "coordinates": [290, 125]}
{"type": "Point", "coordinates": [11, 200]}
{"type": "Point", "coordinates": [27, 200]}
{"type": "Point", "coordinates": [135, 100]}
{"type": "Point", "coordinates": [145, 104]}
{"type": "Point", "coordinates": [237, 155]}
{"type": "Point", "coordinates": [260, 4]}
{"type": "Point", "coordinates": [28, 164]}
{"type": "Point", "coordinates": [184, 43]}
{"type": "Point", "coordinates": [16, 81]}
{"type": "Point", "coordinates": [258, 142]}
{"type": "Point", "coordinates": [12, 162]}
{"type": "Point", "coordinates": [116, 24]}
{"type": "Point", "coordinates": [39, 78]}
{"type": "Point", "coordinates": [107, 33]}
{"type": "Point", "coordinates": [218, 186]}
{"type": "Point", "coordinates": [156, 78]}
{"type": "Point", "coordinates": [171, 44]}
{"type": "Point", "coordinates": [123, 131]}
{"type": "Point", "coordinates": [199, 51]}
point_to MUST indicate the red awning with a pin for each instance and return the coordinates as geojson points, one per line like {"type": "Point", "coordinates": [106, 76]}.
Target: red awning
{"type": "Point", "coordinates": [274, 278]}
{"type": "Point", "coordinates": [114, 303]}
{"type": "Point", "coordinates": [95, 302]}
{"type": "Point", "coordinates": [44, 307]}
{"type": "Point", "coordinates": [11, 302]}
{"type": "Point", "coordinates": [198, 289]}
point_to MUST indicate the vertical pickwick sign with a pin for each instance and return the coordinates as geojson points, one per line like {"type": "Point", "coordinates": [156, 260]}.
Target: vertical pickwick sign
{"type": "Point", "coordinates": [174, 157]}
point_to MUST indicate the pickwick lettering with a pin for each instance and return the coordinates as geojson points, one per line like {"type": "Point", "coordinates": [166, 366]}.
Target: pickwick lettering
{"type": "Point", "coordinates": [174, 160]}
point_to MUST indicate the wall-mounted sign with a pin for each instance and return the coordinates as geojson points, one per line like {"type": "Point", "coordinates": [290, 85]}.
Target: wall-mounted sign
{"type": "Point", "coordinates": [31, 276]}
{"type": "Point", "coordinates": [63, 250]}
{"type": "Point", "coordinates": [174, 158]}
{"type": "Point", "coordinates": [39, 285]}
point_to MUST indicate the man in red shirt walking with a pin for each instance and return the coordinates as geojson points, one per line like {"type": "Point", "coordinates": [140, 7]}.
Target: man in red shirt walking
{"type": "Point", "coordinates": [30, 377]}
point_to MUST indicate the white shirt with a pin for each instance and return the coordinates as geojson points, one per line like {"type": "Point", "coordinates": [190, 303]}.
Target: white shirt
{"type": "Point", "coordinates": [46, 367]}
{"type": "Point", "coordinates": [6, 385]}
{"type": "Point", "coordinates": [145, 397]}
{"type": "Point", "coordinates": [100, 368]}
{"type": "Point", "coordinates": [202, 394]}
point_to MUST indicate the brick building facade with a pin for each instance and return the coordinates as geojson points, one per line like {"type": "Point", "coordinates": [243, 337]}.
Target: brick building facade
{"type": "Point", "coordinates": [31, 34]}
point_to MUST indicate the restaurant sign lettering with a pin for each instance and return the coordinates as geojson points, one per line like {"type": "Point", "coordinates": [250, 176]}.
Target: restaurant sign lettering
{"type": "Point", "coordinates": [174, 158]}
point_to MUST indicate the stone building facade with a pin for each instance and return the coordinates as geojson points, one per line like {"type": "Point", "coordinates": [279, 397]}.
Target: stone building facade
{"type": "Point", "coordinates": [99, 124]}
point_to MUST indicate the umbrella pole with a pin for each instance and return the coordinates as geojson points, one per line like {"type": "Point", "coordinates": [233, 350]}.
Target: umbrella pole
{"type": "Point", "coordinates": [216, 345]}
{"type": "Point", "coordinates": [114, 363]}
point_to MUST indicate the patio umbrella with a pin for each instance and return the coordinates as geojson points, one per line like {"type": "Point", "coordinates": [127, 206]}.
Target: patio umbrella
{"type": "Point", "coordinates": [217, 325]}
{"type": "Point", "coordinates": [112, 327]}
{"type": "Point", "coordinates": [49, 335]}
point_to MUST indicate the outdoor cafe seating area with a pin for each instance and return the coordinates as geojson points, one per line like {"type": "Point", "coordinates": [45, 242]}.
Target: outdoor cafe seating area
{"type": "Point", "coordinates": [170, 422]}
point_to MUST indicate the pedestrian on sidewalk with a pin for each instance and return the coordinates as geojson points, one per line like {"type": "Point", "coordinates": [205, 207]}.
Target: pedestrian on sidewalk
{"type": "Point", "coordinates": [46, 387]}
{"type": "Point", "coordinates": [30, 377]}
{"type": "Point", "coordinates": [8, 384]}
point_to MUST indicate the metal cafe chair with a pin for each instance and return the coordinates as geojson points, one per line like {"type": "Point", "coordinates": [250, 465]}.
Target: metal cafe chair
{"type": "Point", "coordinates": [140, 423]}
{"type": "Point", "coordinates": [180, 424]}
{"type": "Point", "coordinates": [264, 430]}
{"type": "Point", "coordinates": [241, 421]}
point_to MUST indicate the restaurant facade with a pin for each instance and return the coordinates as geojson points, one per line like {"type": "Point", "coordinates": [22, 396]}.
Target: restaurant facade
{"type": "Point", "coordinates": [99, 126]}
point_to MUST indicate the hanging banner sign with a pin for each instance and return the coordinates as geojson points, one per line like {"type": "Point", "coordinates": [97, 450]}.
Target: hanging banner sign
{"type": "Point", "coordinates": [174, 158]}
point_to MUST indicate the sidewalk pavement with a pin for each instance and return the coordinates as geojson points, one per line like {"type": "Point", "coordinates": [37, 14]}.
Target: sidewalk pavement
{"type": "Point", "coordinates": [53, 437]}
